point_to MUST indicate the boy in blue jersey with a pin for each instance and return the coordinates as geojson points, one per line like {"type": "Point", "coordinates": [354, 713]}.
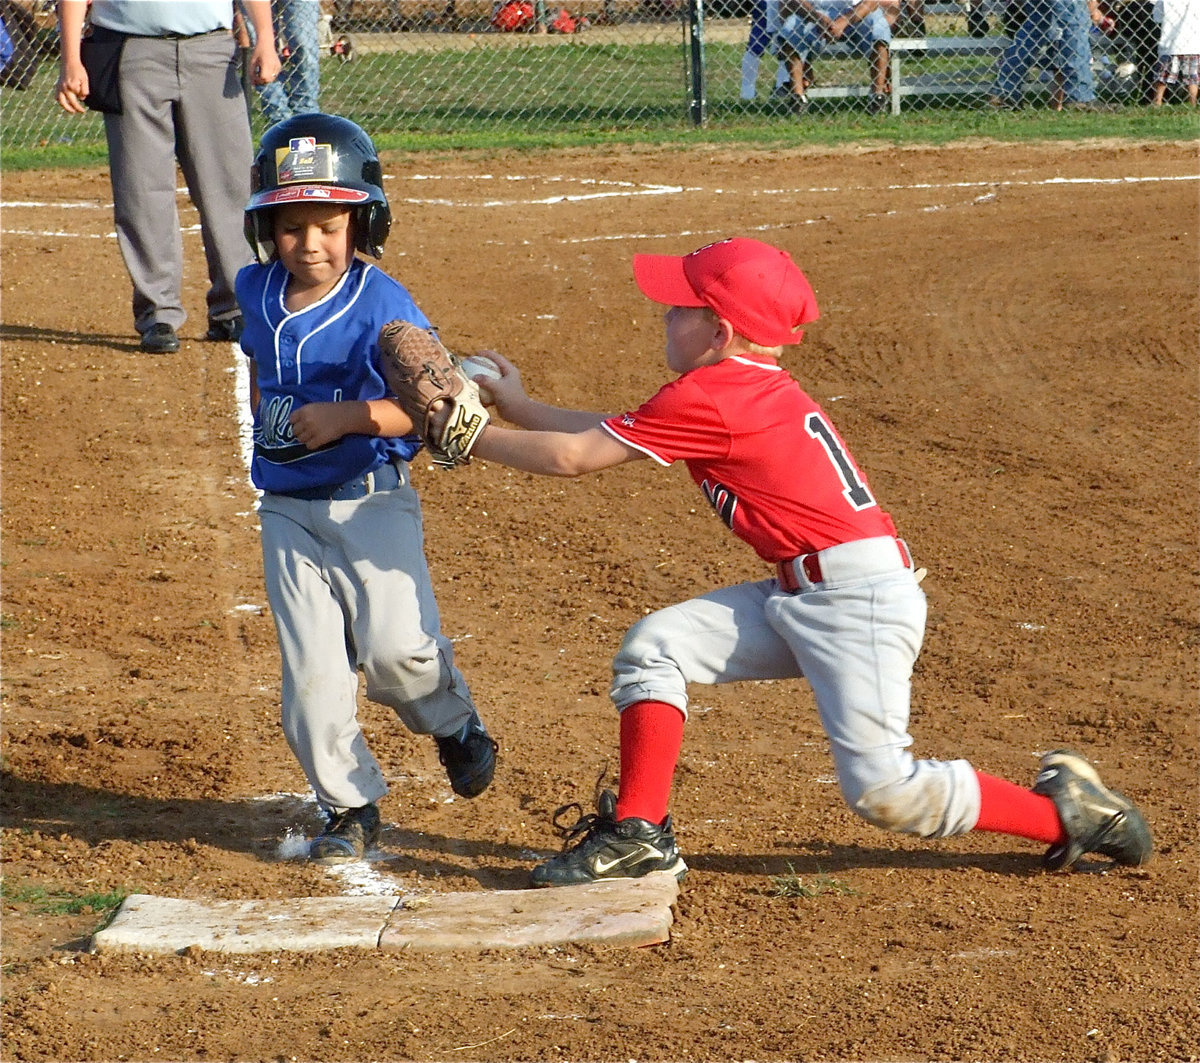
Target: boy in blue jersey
{"type": "Point", "coordinates": [342, 537]}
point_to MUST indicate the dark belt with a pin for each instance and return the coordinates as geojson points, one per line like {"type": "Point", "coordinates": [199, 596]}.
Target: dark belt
{"type": "Point", "coordinates": [173, 36]}
{"type": "Point", "coordinates": [385, 478]}
{"type": "Point", "coordinates": [810, 565]}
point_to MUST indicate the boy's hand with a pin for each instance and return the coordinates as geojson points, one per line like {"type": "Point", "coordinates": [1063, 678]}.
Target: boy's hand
{"type": "Point", "coordinates": [319, 423]}
{"type": "Point", "coordinates": [506, 391]}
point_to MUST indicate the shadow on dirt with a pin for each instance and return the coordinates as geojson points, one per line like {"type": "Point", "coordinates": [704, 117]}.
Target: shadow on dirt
{"type": "Point", "coordinates": [69, 337]}
{"type": "Point", "coordinates": [257, 826]}
{"type": "Point", "coordinates": [815, 858]}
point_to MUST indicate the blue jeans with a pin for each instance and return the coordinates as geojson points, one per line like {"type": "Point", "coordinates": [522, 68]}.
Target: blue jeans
{"type": "Point", "coordinates": [797, 36]}
{"type": "Point", "coordinates": [763, 23]}
{"type": "Point", "coordinates": [297, 89]}
{"type": "Point", "coordinates": [1043, 20]}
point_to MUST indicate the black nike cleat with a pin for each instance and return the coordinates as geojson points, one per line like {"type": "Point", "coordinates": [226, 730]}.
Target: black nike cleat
{"type": "Point", "coordinates": [609, 848]}
{"type": "Point", "coordinates": [1096, 819]}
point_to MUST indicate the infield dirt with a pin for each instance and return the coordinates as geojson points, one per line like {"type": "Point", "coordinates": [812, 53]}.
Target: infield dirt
{"type": "Point", "coordinates": [1008, 343]}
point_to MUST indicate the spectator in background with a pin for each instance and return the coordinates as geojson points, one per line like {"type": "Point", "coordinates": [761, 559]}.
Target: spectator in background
{"type": "Point", "coordinates": [166, 47]}
{"type": "Point", "coordinates": [19, 52]}
{"type": "Point", "coordinates": [809, 24]}
{"type": "Point", "coordinates": [297, 90]}
{"type": "Point", "coordinates": [1178, 48]}
{"type": "Point", "coordinates": [1063, 25]}
{"type": "Point", "coordinates": [764, 24]}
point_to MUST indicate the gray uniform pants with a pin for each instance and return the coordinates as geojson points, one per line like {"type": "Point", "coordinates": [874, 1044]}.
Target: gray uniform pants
{"type": "Point", "coordinates": [854, 637]}
{"type": "Point", "coordinates": [350, 589]}
{"type": "Point", "coordinates": [182, 99]}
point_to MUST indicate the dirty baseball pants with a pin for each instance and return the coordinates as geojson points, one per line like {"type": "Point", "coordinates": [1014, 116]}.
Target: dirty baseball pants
{"type": "Point", "coordinates": [854, 637]}
{"type": "Point", "coordinates": [350, 590]}
{"type": "Point", "coordinates": [182, 99]}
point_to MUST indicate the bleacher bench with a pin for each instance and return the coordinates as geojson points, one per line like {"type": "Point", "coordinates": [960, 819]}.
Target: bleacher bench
{"type": "Point", "coordinates": [902, 48]}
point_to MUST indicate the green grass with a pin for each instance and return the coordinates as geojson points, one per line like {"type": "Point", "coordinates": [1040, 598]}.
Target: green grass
{"type": "Point", "coordinates": [794, 885]}
{"type": "Point", "coordinates": [581, 94]}
{"type": "Point", "coordinates": [62, 902]}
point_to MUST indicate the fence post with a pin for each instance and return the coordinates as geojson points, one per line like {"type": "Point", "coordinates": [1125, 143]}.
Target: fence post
{"type": "Point", "coordinates": [698, 102]}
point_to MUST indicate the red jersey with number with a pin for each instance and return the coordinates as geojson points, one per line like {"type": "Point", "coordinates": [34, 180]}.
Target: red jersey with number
{"type": "Point", "coordinates": [764, 454]}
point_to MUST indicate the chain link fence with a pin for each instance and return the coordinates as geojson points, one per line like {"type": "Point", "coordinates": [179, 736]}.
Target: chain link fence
{"type": "Point", "coordinates": [476, 66]}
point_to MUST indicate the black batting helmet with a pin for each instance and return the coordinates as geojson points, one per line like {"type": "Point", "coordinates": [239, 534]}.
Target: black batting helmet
{"type": "Point", "coordinates": [317, 158]}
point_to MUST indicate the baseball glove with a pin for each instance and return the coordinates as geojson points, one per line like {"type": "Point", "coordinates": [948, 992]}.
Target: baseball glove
{"type": "Point", "coordinates": [442, 401]}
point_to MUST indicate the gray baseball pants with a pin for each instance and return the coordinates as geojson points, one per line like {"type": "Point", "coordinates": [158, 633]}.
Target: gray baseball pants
{"type": "Point", "coordinates": [351, 592]}
{"type": "Point", "coordinates": [182, 99]}
{"type": "Point", "coordinates": [855, 637]}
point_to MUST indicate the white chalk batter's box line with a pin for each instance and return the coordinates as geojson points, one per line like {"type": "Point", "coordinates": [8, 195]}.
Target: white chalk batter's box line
{"type": "Point", "coordinates": [608, 189]}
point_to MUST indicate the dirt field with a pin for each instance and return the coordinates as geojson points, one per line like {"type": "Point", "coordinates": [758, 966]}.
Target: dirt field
{"type": "Point", "coordinates": [1008, 343]}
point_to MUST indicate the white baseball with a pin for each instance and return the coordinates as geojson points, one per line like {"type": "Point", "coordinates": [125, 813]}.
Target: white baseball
{"type": "Point", "coordinates": [480, 367]}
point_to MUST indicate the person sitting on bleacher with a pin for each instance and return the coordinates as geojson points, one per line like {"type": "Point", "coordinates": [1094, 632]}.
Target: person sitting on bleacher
{"type": "Point", "coordinates": [808, 25]}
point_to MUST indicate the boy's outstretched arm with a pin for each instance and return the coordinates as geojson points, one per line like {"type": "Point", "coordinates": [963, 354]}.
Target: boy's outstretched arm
{"type": "Point", "coordinates": [553, 453]}
{"type": "Point", "coordinates": [557, 441]}
{"type": "Point", "coordinates": [508, 395]}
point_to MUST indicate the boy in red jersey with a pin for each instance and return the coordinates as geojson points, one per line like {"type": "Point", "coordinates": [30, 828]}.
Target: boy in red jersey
{"type": "Point", "coordinates": [844, 609]}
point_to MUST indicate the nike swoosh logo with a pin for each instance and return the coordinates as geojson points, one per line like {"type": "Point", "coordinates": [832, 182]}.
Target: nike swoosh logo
{"type": "Point", "coordinates": [604, 866]}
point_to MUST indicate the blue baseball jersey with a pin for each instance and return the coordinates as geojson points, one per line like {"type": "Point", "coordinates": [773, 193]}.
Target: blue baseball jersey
{"type": "Point", "coordinates": [327, 352]}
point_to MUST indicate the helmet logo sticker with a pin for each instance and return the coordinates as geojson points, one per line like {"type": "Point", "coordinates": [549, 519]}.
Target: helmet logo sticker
{"type": "Point", "coordinates": [303, 160]}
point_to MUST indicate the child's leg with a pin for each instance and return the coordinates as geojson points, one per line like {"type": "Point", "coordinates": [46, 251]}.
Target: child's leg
{"type": "Point", "coordinates": [1006, 808]}
{"type": "Point", "coordinates": [392, 616]}
{"type": "Point", "coordinates": [756, 46]}
{"type": "Point", "coordinates": [1160, 90]}
{"type": "Point", "coordinates": [750, 64]}
{"type": "Point", "coordinates": [319, 706]}
{"type": "Point", "coordinates": [856, 644]}
{"type": "Point", "coordinates": [721, 637]}
{"type": "Point", "coordinates": [651, 738]}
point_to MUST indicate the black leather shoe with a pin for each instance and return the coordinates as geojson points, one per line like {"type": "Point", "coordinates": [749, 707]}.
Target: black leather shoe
{"type": "Point", "coordinates": [159, 338]}
{"type": "Point", "coordinates": [228, 330]}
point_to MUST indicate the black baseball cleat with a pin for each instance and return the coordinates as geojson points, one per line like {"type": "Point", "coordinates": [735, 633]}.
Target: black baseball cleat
{"type": "Point", "coordinates": [1096, 819]}
{"type": "Point", "coordinates": [159, 338]}
{"type": "Point", "coordinates": [469, 757]}
{"type": "Point", "coordinates": [346, 837]}
{"type": "Point", "coordinates": [609, 848]}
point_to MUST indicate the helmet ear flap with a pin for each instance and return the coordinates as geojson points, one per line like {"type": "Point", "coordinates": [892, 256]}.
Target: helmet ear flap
{"type": "Point", "coordinates": [374, 223]}
{"type": "Point", "coordinates": [260, 235]}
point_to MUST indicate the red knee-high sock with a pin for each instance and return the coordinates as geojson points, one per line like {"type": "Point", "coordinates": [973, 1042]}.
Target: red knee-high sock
{"type": "Point", "coordinates": [651, 737]}
{"type": "Point", "coordinates": [1006, 808]}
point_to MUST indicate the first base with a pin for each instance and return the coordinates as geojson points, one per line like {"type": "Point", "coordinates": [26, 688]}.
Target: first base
{"type": "Point", "coordinates": [625, 912]}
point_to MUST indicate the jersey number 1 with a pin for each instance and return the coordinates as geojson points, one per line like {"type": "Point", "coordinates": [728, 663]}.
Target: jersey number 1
{"type": "Point", "coordinates": [855, 490]}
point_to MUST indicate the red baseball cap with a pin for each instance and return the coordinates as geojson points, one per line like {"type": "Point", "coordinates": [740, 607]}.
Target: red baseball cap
{"type": "Point", "coordinates": [757, 288]}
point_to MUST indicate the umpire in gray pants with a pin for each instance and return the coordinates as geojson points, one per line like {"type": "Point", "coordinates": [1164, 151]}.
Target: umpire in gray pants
{"type": "Point", "coordinates": [166, 76]}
